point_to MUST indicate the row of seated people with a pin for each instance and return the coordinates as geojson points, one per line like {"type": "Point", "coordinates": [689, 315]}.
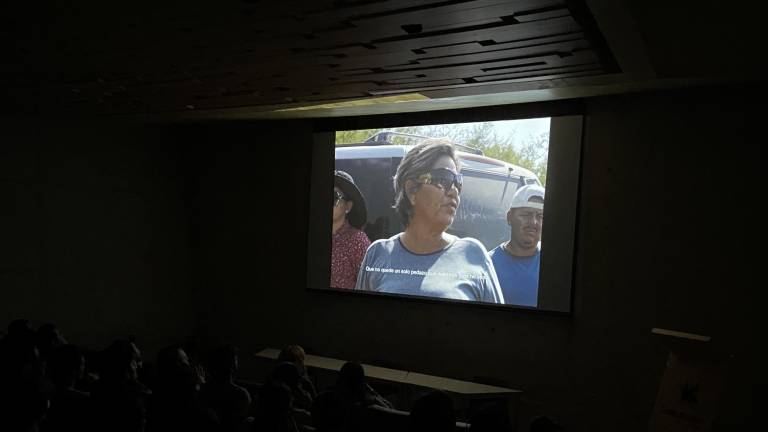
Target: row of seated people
{"type": "Point", "coordinates": [48, 385]}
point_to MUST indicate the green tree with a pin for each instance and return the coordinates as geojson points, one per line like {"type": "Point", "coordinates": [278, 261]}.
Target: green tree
{"type": "Point", "coordinates": [354, 136]}
{"type": "Point", "coordinates": [530, 153]}
{"type": "Point", "coordinates": [533, 155]}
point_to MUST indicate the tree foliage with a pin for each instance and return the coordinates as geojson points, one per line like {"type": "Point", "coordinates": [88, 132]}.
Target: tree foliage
{"type": "Point", "coordinates": [528, 152]}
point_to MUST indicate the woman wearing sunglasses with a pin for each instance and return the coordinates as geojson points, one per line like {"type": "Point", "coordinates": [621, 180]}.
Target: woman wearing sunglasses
{"type": "Point", "coordinates": [348, 242]}
{"type": "Point", "coordinates": [424, 260]}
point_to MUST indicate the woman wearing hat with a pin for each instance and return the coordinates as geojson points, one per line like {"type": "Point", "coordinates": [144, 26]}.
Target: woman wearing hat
{"type": "Point", "coordinates": [424, 260]}
{"type": "Point", "coordinates": [348, 244]}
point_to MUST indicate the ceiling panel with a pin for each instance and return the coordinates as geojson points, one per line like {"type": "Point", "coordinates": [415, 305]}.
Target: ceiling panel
{"type": "Point", "coordinates": [151, 57]}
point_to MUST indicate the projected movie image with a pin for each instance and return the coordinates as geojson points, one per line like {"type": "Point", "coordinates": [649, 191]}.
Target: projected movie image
{"type": "Point", "coordinates": [442, 211]}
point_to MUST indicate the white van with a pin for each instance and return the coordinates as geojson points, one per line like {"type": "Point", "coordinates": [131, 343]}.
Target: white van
{"type": "Point", "coordinates": [489, 185]}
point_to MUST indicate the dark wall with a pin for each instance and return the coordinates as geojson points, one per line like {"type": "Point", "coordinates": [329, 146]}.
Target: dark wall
{"type": "Point", "coordinates": [201, 230]}
{"type": "Point", "coordinates": [665, 239]}
{"type": "Point", "coordinates": [95, 232]}
{"type": "Point", "coordinates": [251, 209]}
{"type": "Point", "coordinates": [670, 236]}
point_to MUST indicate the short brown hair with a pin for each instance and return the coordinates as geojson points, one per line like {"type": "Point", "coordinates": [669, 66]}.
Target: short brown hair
{"type": "Point", "coordinates": [293, 354]}
{"type": "Point", "coordinates": [419, 160]}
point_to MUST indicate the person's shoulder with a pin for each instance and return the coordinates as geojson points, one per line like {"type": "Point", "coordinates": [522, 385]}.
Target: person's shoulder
{"type": "Point", "coordinates": [498, 250]}
{"type": "Point", "coordinates": [241, 392]}
{"type": "Point", "coordinates": [78, 394]}
{"type": "Point", "coordinates": [360, 235]}
{"type": "Point", "coordinates": [71, 395]}
{"type": "Point", "coordinates": [387, 244]}
{"type": "Point", "coordinates": [470, 244]}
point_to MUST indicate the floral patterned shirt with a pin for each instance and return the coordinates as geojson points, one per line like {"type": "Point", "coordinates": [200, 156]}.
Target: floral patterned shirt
{"type": "Point", "coordinates": [347, 251]}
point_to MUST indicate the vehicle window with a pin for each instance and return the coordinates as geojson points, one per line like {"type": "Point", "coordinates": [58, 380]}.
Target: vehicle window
{"type": "Point", "coordinates": [532, 181]}
{"type": "Point", "coordinates": [469, 163]}
{"type": "Point", "coordinates": [373, 176]}
{"type": "Point", "coordinates": [482, 213]}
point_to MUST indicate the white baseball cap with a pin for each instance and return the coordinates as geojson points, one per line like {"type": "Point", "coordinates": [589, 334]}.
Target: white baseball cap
{"type": "Point", "coordinates": [523, 197]}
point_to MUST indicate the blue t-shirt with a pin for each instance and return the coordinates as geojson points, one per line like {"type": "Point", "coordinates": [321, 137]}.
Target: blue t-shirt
{"type": "Point", "coordinates": [462, 271]}
{"type": "Point", "coordinates": [518, 276]}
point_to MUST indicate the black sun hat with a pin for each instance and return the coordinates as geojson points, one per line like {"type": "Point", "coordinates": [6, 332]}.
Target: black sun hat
{"type": "Point", "coordinates": [358, 215]}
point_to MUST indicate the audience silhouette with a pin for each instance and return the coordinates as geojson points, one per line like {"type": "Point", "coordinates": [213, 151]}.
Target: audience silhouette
{"type": "Point", "coordinates": [47, 338]}
{"type": "Point", "coordinates": [303, 390]}
{"type": "Point", "coordinates": [227, 401]}
{"type": "Point", "coordinates": [120, 400]}
{"type": "Point", "coordinates": [24, 391]}
{"type": "Point", "coordinates": [275, 411]}
{"type": "Point", "coordinates": [175, 401]}
{"type": "Point", "coordinates": [434, 413]}
{"type": "Point", "coordinates": [70, 408]}
{"type": "Point", "coordinates": [50, 385]}
{"type": "Point", "coordinates": [330, 412]}
{"type": "Point", "coordinates": [544, 424]}
{"type": "Point", "coordinates": [493, 417]}
{"type": "Point", "coordinates": [354, 389]}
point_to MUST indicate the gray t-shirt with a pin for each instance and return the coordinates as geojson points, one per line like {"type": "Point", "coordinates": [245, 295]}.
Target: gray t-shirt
{"type": "Point", "coordinates": [462, 271]}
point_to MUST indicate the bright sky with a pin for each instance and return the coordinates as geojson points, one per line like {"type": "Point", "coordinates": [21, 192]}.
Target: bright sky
{"type": "Point", "coordinates": [523, 129]}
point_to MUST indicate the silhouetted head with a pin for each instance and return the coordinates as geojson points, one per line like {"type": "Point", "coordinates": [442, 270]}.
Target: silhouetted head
{"type": "Point", "coordinates": [192, 349]}
{"type": "Point", "coordinates": [294, 354]}
{"type": "Point", "coordinates": [351, 376]}
{"type": "Point", "coordinates": [223, 363]}
{"type": "Point", "coordinates": [66, 364]}
{"type": "Point", "coordinates": [433, 412]}
{"type": "Point", "coordinates": [120, 361]}
{"type": "Point", "coordinates": [170, 358]}
{"type": "Point", "coordinates": [17, 349]}
{"type": "Point", "coordinates": [276, 400]}
{"type": "Point", "coordinates": [174, 372]}
{"type": "Point", "coordinates": [330, 412]}
{"type": "Point", "coordinates": [136, 351]}
{"type": "Point", "coordinates": [19, 327]}
{"type": "Point", "coordinates": [544, 424]}
{"type": "Point", "coordinates": [490, 418]}
{"type": "Point", "coordinates": [286, 373]}
{"type": "Point", "coordinates": [47, 338]}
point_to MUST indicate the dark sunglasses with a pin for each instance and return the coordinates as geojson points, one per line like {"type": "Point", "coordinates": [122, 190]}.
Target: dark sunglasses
{"type": "Point", "coordinates": [443, 178]}
{"type": "Point", "coordinates": [337, 197]}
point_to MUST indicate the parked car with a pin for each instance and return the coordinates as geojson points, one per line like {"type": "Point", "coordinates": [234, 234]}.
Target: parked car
{"type": "Point", "coordinates": [489, 185]}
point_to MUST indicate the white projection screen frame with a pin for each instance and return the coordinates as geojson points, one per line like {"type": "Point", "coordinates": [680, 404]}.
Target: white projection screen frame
{"type": "Point", "coordinates": [558, 236]}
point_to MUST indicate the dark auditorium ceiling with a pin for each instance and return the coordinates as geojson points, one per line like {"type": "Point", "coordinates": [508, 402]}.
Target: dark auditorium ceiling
{"type": "Point", "coordinates": [259, 58]}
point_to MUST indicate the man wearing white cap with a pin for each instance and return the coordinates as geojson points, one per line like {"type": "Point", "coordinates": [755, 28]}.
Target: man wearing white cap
{"type": "Point", "coordinates": [517, 260]}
